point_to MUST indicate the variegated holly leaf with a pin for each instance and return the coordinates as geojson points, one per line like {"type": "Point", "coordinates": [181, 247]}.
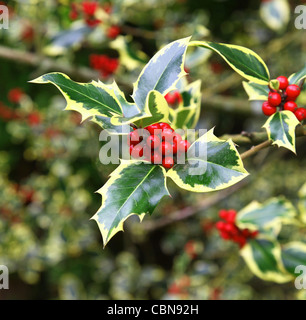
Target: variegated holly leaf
{"type": "Point", "coordinates": [162, 72]}
{"type": "Point", "coordinates": [129, 109]}
{"type": "Point", "coordinates": [243, 60]}
{"type": "Point", "coordinates": [186, 116]}
{"type": "Point", "coordinates": [256, 91]}
{"type": "Point", "coordinates": [294, 255]}
{"type": "Point", "coordinates": [130, 57]}
{"type": "Point", "coordinates": [263, 256]}
{"type": "Point", "coordinates": [281, 129]}
{"type": "Point", "coordinates": [298, 76]}
{"type": "Point", "coordinates": [105, 123]}
{"type": "Point", "coordinates": [89, 99]}
{"type": "Point", "coordinates": [267, 217]}
{"type": "Point", "coordinates": [274, 84]}
{"type": "Point", "coordinates": [157, 107]}
{"type": "Point", "coordinates": [134, 188]}
{"type": "Point", "coordinates": [211, 164]}
{"type": "Point", "coordinates": [106, 105]}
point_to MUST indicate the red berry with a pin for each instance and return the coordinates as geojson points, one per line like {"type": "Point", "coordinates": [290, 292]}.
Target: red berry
{"type": "Point", "coordinates": [166, 148]}
{"type": "Point", "coordinates": [300, 114]}
{"type": "Point", "coordinates": [231, 216]}
{"type": "Point", "coordinates": [232, 229]}
{"type": "Point", "coordinates": [225, 235]}
{"type": "Point", "coordinates": [168, 162]}
{"type": "Point", "coordinates": [178, 97]}
{"type": "Point", "coordinates": [164, 125]}
{"type": "Point", "coordinates": [153, 141]}
{"type": "Point", "coordinates": [170, 98]}
{"type": "Point", "coordinates": [242, 241]}
{"type": "Point", "coordinates": [89, 7]}
{"type": "Point", "coordinates": [152, 128]}
{"type": "Point", "coordinates": [73, 15]}
{"type": "Point", "coordinates": [183, 145]}
{"type": "Point", "coordinates": [223, 214]}
{"type": "Point", "coordinates": [168, 130]}
{"type": "Point", "coordinates": [274, 99]}
{"type": "Point", "coordinates": [156, 158]}
{"type": "Point", "coordinates": [113, 32]}
{"type": "Point", "coordinates": [137, 151]}
{"type": "Point", "coordinates": [134, 137]}
{"type": "Point", "coordinates": [246, 233]}
{"type": "Point", "coordinates": [293, 92]}
{"type": "Point", "coordinates": [34, 119]}
{"type": "Point", "coordinates": [177, 137]}
{"type": "Point", "coordinates": [176, 140]}
{"type": "Point", "coordinates": [15, 95]}
{"type": "Point", "coordinates": [167, 134]}
{"type": "Point", "coordinates": [290, 106]}
{"type": "Point", "coordinates": [131, 149]}
{"type": "Point", "coordinates": [267, 109]}
{"type": "Point", "coordinates": [174, 289]}
{"type": "Point", "coordinates": [283, 82]}
{"type": "Point", "coordinates": [220, 225]}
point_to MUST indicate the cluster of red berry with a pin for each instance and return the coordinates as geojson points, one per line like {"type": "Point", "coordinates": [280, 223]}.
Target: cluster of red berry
{"type": "Point", "coordinates": [229, 230]}
{"type": "Point", "coordinates": [173, 98]}
{"type": "Point", "coordinates": [104, 64]}
{"type": "Point", "coordinates": [161, 145]}
{"type": "Point", "coordinates": [6, 113]}
{"type": "Point", "coordinates": [284, 99]}
{"type": "Point", "coordinates": [88, 9]}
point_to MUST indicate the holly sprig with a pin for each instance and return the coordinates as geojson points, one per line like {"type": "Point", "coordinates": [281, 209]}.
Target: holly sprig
{"type": "Point", "coordinates": [136, 186]}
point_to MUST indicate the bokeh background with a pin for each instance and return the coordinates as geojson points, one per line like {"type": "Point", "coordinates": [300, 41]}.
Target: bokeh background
{"type": "Point", "coordinates": [49, 165]}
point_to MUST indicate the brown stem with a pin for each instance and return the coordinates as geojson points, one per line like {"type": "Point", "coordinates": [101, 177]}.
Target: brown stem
{"type": "Point", "coordinates": [255, 149]}
{"type": "Point", "coordinates": [48, 64]}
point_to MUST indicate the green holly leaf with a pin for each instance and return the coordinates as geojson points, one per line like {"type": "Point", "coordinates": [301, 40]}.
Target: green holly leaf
{"type": "Point", "coordinates": [256, 91]}
{"type": "Point", "coordinates": [221, 168]}
{"type": "Point", "coordinates": [129, 109]}
{"type": "Point", "coordinates": [162, 72]}
{"type": "Point", "coordinates": [105, 105]}
{"type": "Point", "coordinates": [186, 116]}
{"type": "Point", "coordinates": [263, 256]}
{"type": "Point", "coordinates": [267, 217]}
{"type": "Point", "coordinates": [243, 60]}
{"type": "Point", "coordinates": [89, 99]}
{"type": "Point", "coordinates": [157, 108]}
{"type": "Point", "coordinates": [281, 129]}
{"type": "Point", "coordinates": [107, 125]}
{"type": "Point", "coordinates": [134, 188]}
{"type": "Point", "coordinates": [293, 255]}
{"type": "Point", "coordinates": [274, 84]}
{"type": "Point", "coordinates": [298, 76]}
